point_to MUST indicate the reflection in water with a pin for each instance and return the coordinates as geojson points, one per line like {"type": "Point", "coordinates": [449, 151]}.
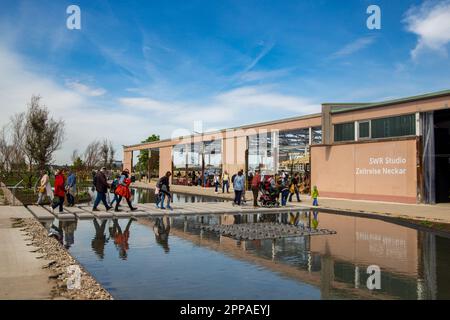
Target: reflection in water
{"type": "Point", "coordinates": [198, 264]}
{"type": "Point", "coordinates": [121, 237]}
{"type": "Point", "coordinates": [99, 240]}
{"type": "Point", "coordinates": [161, 229]}
{"type": "Point", "coordinates": [63, 231]}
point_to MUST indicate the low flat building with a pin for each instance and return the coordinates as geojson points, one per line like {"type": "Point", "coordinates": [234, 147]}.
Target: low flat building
{"type": "Point", "coordinates": [396, 150]}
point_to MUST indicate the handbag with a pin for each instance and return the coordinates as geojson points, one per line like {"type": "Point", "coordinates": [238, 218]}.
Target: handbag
{"type": "Point", "coordinates": [41, 189]}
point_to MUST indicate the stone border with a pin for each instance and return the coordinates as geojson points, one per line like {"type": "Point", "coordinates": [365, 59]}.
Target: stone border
{"type": "Point", "coordinates": [60, 259]}
{"type": "Point", "coordinates": [9, 197]}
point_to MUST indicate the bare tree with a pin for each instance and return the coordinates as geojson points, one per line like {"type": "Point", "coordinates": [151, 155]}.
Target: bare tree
{"type": "Point", "coordinates": [104, 151]}
{"type": "Point", "coordinates": [18, 140]}
{"type": "Point", "coordinates": [92, 155]}
{"type": "Point", "coordinates": [112, 153]}
{"type": "Point", "coordinates": [5, 153]}
{"type": "Point", "coordinates": [43, 135]}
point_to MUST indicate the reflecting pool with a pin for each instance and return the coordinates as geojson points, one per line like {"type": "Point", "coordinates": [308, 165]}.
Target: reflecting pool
{"type": "Point", "coordinates": [175, 258]}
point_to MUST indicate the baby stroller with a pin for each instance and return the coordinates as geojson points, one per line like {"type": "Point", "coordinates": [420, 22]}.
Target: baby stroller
{"type": "Point", "coordinates": [269, 196]}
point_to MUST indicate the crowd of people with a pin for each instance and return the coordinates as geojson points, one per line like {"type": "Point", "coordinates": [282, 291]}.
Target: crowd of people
{"type": "Point", "coordinates": [66, 189]}
{"type": "Point", "coordinates": [278, 188]}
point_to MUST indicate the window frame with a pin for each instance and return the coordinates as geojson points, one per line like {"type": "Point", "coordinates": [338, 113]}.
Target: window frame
{"type": "Point", "coordinates": [369, 137]}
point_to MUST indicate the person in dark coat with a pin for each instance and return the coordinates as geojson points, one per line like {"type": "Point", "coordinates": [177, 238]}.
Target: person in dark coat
{"type": "Point", "coordinates": [101, 185]}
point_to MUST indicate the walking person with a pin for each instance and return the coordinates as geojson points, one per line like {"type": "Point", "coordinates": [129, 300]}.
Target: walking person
{"type": "Point", "coordinates": [123, 190]}
{"type": "Point", "coordinates": [113, 188]}
{"type": "Point", "coordinates": [45, 189]}
{"type": "Point", "coordinates": [315, 196]}
{"type": "Point", "coordinates": [60, 191]}
{"type": "Point", "coordinates": [205, 179]}
{"type": "Point", "coordinates": [71, 188]}
{"type": "Point", "coordinates": [101, 185]}
{"type": "Point", "coordinates": [225, 182]}
{"type": "Point", "coordinates": [238, 187]}
{"type": "Point", "coordinates": [293, 188]}
{"type": "Point", "coordinates": [256, 184]}
{"type": "Point", "coordinates": [164, 191]}
{"type": "Point", "coordinates": [284, 186]}
{"type": "Point", "coordinates": [216, 182]}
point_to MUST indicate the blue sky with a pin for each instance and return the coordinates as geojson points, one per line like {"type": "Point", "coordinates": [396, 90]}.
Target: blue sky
{"type": "Point", "coordinates": [142, 67]}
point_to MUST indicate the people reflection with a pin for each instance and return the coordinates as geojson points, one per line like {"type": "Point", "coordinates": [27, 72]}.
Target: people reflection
{"type": "Point", "coordinates": [69, 228]}
{"type": "Point", "coordinates": [55, 231]}
{"type": "Point", "coordinates": [121, 237]}
{"type": "Point", "coordinates": [63, 231]}
{"type": "Point", "coordinates": [99, 240]}
{"type": "Point", "coordinates": [294, 219]}
{"type": "Point", "coordinates": [161, 228]}
{"type": "Point", "coordinates": [315, 220]}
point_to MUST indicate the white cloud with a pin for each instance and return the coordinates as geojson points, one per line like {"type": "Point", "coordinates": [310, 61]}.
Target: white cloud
{"type": "Point", "coordinates": [134, 117]}
{"type": "Point", "coordinates": [431, 23]}
{"type": "Point", "coordinates": [355, 46]}
{"type": "Point", "coordinates": [84, 119]}
{"type": "Point", "coordinates": [230, 108]}
{"type": "Point", "coordinates": [84, 89]}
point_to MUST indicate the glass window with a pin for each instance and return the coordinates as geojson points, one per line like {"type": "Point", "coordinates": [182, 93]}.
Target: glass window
{"type": "Point", "coordinates": [316, 135]}
{"type": "Point", "coordinates": [344, 131]}
{"type": "Point", "coordinates": [394, 126]}
{"type": "Point", "coordinates": [364, 130]}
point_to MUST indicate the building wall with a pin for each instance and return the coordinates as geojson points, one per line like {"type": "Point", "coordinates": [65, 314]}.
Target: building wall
{"type": "Point", "coordinates": [233, 157]}
{"type": "Point", "coordinates": [165, 160]}
{"type": "Point", "coordinates": [351, 170]}
{"type": "Point", "coordinates": [127, 160]}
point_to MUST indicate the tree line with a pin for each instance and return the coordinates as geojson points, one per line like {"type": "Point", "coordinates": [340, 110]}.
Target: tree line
{"type": "Point", "coordinates": [29, 140]}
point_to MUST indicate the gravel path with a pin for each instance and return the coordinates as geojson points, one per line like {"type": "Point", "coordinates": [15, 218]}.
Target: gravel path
{"type": "Point", "coordinates": [51, 250]}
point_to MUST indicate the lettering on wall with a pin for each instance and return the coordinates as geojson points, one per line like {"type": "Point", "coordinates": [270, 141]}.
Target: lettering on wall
{"type": "Point", "coordinates": [384, 166]}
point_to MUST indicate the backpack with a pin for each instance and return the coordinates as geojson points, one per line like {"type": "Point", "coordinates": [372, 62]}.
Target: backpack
{"type": "Point", "coordinates": [114, 185]}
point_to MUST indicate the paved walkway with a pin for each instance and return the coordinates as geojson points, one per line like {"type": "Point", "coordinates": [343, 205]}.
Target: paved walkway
{"type": "Point", "coordinates": [21, 273]}
{"type": "Point", "coordinates": [420, 212]}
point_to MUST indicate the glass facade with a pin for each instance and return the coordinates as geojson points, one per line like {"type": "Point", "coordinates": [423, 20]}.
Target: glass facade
{"type": "Point", "coordinates": [316, 136]}
{"type": "Point", "coordinates": [293, 150]}
{"type": "Point", "coordinates": [262, 152]}
{"type": "Point", "coordinates": [394, 126]}
{"type": "Point", "coordinates": [344, 132]}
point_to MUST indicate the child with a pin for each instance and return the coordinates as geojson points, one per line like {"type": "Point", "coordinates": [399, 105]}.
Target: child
{"type": "Point", "coordinates": [113, 188]}
{"type": "Point", "coordinates": [315, 195]}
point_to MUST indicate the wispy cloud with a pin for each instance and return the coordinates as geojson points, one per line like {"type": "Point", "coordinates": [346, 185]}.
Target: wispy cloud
{"type": "Point", "coordinates": [243, 74]}
{"type": "Point", "coordinates": [229, 108]}
{"type": "Point", "coordinates": [431, 23]}
{"type": "Point", "coordinates": [353, 47]}
{"type": "Point", "coordinates": [20, 80]}
{"type": "Point", "coordinates": [85, 89]}
{"type": "Point", "coordinates": [265, 50]}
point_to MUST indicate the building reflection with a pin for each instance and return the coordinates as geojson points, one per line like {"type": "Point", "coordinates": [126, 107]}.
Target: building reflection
{"type": "Point", "coordinates": [337, 264]}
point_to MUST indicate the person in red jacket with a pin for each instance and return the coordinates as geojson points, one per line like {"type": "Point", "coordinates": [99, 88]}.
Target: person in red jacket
{"type": "Point", "coordinates": [60, 191]}
{"type": "Point", "coordinates": [123, 190]}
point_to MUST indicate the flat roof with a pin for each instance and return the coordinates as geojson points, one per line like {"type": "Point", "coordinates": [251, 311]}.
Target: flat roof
{"type": "Point", "coordinates": [338, 107]}
{"type": "Point", "coordinates": [246, 126]}
{"type": "Point", "coordinates": [390, 102]}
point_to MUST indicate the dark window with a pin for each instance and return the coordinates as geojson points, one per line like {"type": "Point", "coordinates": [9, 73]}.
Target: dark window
{"type": "Point", "coordinates": [394, 126]}
{"type": "Point", "coordinates": [344, 131]}
{"type": "Point", "coordinates": [364, 130]}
